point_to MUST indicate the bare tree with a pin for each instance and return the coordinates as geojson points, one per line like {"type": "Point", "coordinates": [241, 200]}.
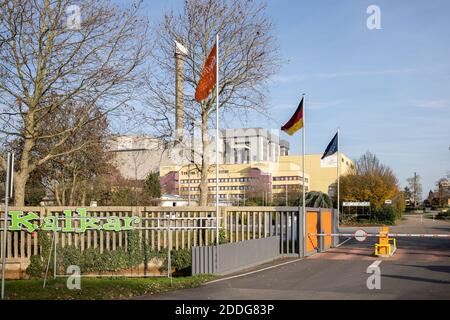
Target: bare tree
{"type": "Point", "coordinates": [248, 57]}
{"type": "Point", "coordinates": [416, 188]}
{"type": "Point", "coordinates": [54, 54]}
{"type": "Point", "coordinates": [69, 176]}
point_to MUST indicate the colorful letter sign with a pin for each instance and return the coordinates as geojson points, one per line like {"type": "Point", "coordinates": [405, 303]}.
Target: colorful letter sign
{"type": "Point", "coordinates": [31, 222]}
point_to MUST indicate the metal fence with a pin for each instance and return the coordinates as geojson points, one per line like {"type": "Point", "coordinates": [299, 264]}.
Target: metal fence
{"type": "Point", "coordinates": [232, 257]}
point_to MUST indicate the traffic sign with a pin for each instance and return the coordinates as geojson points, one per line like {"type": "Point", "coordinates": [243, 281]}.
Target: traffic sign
{"type": "Point", "coordinates": [360, 235]}
{"type": "Point", "coordinates": [356, 204]}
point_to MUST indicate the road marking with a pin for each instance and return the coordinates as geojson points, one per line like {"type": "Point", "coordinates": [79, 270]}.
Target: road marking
{"type": "Point", "coordinates": [264, 269]}
{"type": "Point", "coordinates": [344, 242]}
{"type": "Point", "coordinates": [252, 272]}
{"type": "Point", "coordinates": [376, 264]}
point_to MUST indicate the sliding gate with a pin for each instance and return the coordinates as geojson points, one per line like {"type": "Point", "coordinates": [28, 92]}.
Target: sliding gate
{"type": "Point", "coordinates": [251, 230]}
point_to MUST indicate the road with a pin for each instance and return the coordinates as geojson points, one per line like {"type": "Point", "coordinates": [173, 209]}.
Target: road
{"type": "Point", "coordinates": [420, 269]}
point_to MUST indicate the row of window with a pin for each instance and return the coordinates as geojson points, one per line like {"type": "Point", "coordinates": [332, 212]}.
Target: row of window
{"type": "Point", "coordinates": [224, 180]}
{"type": "Point", "coordinates": [290, 187]}
{"type": "Point", "coordinates": [236, 188]}
{"type": "Point", "coordinates": [228, 180]}
{"type": "Point", "coordinates": [289, 179]}
{"type": "Point", "coordinates": [243, 188]}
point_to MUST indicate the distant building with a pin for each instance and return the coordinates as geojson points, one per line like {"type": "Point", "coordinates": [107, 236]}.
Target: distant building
{"type": "Point", "coordinates": [323, 173]}
{"type": "Point", "coordinates": [441, 196]}
{"type": "Point", "coordinates": [250, 145]}
{"type": "Point", "coordinates": [269, 180]}
{"type": "Point", "coordinates": [171, 201]}
{"type": "Point", "coordinates": [137, 156]}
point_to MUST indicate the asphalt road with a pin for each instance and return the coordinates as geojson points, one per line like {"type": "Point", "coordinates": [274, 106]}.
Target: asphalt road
{"type": "Point", "coordinates": [420, 269]}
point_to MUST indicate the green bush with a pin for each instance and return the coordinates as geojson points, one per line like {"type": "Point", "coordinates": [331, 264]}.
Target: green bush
{"type": "Point", "coordinates": [134, 249]}
{"type": "Point", "coordinates": [443, 215]}
{"type": "Point", "coordinates": [315, 199]}
{"type": "Point", "coordinates": [68, 256]}
{"type": "Point", "coordinates": [223, 239]}
{"type": "Point", "coordinates": [34, 269]}
{"type": "Point", "coordinates": [385, 214]}
{"type": "Point", "coordinates": [182, 259]}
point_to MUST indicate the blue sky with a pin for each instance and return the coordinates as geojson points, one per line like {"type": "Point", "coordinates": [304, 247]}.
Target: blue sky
{"type": "Point", "coordinates": [388, 90]}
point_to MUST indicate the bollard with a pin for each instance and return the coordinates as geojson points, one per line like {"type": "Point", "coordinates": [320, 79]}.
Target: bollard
{"type": "Point", "coordinates": [384, 248]}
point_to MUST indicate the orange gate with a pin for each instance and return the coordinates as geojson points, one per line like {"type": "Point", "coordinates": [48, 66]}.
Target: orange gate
{"type": "Point", "coordinates": [326, 227]}
{"type": "Point", "coordinates": [311, 228]}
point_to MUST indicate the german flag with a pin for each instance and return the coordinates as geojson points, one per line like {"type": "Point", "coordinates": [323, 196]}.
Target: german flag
{"type": "Point", "coordinates": [296, 122]}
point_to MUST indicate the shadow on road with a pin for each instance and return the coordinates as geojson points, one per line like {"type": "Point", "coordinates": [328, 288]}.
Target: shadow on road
{"type": "Point", "coordinates": [416, 279]}
{"type": "Point", "coordinates": [445, 269]}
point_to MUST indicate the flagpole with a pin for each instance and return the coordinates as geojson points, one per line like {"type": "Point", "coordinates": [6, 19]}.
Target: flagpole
{"type": "Point", "coordinates": [217, 140]}
{"type": "Point", "coordinates": [304, 160]}
{"type": "Point", "coordinates": [338, 175]}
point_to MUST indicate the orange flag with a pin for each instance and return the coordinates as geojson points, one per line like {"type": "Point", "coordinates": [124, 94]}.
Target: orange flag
{"type": "Point", "coordinates": [208, 77]}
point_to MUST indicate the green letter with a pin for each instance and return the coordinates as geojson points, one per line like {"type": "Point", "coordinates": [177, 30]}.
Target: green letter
{"type": "Point", "coordinates": [87, 223]}
{"type": "Point", "coordinates": [128, 221]}
{"type": "Point", "coordinates": [113, 224]}
{"type": "Point", "coordinates": [50, 224]}
{"type": "Point", "coordinates": [17, 220]}
{"type": "Point", "coordinates": [68, 227]}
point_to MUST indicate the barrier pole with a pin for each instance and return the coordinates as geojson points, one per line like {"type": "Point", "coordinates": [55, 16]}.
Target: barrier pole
{"type": "Point", "coordinates": [54, 252]}
{"type": "Point", "coordinates": [8, 193]}
{"type": "Point", "coordinates": [48, 262]}
{"type": "Point", "coordinates": [169, 262]}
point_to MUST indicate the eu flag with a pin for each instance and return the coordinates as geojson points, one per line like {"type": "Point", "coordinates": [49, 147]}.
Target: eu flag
{"type": "Point", "coordinates": [332, 147]}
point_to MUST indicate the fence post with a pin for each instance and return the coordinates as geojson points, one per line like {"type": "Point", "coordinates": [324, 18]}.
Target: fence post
{"type": "Point", "coordinates": [320, 239]}
{"type": "Point", "coordinates": [301, 228]}
{"type": "Point", "coordinates": [335, 228]}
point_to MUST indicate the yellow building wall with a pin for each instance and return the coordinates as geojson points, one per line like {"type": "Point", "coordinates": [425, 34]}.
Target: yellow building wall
{"type": "Point", "coordinates": [233, 172]}
{"type": "Point", "coordinates": [320, 178]}
{"type": "Point", "coordinates": [317, 177]}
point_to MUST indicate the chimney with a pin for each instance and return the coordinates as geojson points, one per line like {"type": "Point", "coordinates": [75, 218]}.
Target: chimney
{"type": "Point", "coordinates": [180, 50]}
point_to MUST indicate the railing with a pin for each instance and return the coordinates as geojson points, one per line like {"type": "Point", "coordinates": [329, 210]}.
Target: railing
{"type": "Point", "coordinates": [189, 227]}
{"type": "Point", "coordinates": [186, 226]}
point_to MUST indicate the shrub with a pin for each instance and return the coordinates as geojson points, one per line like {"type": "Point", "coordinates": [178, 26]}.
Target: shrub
{"type": "Point", "coordinates": [34, 269]}
{"type": "Point", "coordinates": [222, 236]}
{"type": "Point", "coordinates": [385, 214]}
{"type": "Point", "coordinates": [182, 259]}
{"type": "Point", "coordinates": [68, 256]}
{"type": "Point", "coordinates": [134, 249]}
{"type": "Point", "coordinates": [443, 215]}
{"type": "Point", "coordinates": [315, 199]}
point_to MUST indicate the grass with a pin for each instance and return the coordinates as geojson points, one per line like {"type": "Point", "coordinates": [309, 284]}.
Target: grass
{"type": "Point", "coordinates": [98, 289]}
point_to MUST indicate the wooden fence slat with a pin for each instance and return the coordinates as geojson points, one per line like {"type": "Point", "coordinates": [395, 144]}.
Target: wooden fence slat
{"type": "Point", "coordinates": [100, 235]}
{"type": "Point", "coordinates": [183, 232]}
{"type": "Point", "coordinates": [189, 231]}
{"type": "Point", "coordinates": [238, 223]}
{"type": "Point", "coordinates": [177, 215]}
{"type": "Point", "coordinates": [158, 232]}
{"type": "Point", "coordinates": [254, 225]}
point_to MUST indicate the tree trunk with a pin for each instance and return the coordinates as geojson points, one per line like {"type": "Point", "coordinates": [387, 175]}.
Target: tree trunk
{"type": "Point", "coordinates": [83, 197]}
{"type": "Point", "coordinates": [57, 197]}
{"type": "Point", "coordinates": [205, 164]}
{"type": "Point", "coordinates": [20, 181]}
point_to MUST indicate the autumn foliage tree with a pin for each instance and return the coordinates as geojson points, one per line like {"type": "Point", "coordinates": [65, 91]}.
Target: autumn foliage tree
{"type": "Point", "coordinates": [371, 181]}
